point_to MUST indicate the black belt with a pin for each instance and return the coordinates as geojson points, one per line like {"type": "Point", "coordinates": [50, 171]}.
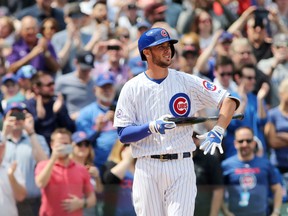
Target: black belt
{"type": "Point", "coordinates": [166, 157]}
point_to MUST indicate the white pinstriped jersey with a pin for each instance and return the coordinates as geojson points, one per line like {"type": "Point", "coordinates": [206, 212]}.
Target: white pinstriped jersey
{"type": "Point", "coordinates": [142, 100]}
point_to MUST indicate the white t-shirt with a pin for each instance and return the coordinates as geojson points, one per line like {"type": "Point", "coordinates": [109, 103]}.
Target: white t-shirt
{"type": "Point", "coordinates": [7, 200]}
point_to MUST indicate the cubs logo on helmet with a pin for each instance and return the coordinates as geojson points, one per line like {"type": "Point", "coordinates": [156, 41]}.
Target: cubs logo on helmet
{"type": "Point", "coordinates": [209, 86]}
{"type": "Point", "coordinates": [180, 105]}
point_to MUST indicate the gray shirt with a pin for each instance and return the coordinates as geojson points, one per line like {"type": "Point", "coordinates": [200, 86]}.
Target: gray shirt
{"type": "Point", "coordinates": [22, 153]}
{"type": "Point", "coordinates": [76, 93]}
{"type": "Point", "coordinates": [58, 41]}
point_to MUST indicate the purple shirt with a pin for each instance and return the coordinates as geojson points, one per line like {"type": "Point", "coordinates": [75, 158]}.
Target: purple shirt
{"type": "Point", "coordinates": [21, 49]}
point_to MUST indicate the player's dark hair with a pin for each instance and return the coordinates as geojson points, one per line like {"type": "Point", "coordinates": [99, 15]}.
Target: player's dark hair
{"type": "Point", "coordinates": [222, 60]}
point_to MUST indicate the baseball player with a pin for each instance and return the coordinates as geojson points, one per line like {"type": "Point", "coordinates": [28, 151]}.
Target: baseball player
{"type": "Point", "coordinates": [164, 179]}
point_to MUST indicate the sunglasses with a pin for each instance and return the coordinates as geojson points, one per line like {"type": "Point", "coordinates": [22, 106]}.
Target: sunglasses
{"type": "Point", "coordinates": [226, 74]}
{"type": "Point", "coordinates": [84, 143]}
{"type": "Point", "coordinates": [48, 84]}
{"type": "Point", "coordinates": [244, 140]}
{"type": "Point", "coordinates": [113, 47]}
{"type": "Point", "coordinates": [249, 77]}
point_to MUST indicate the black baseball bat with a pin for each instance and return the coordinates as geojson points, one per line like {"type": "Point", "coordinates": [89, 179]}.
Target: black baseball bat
{"type": "Point", "coordinates": [197, 120]}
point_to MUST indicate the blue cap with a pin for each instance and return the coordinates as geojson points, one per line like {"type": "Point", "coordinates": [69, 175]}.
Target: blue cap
{"type": "Point", "coordinates": [15, 105]}
{"type": "Point", "coordinates": [143, 24]}
{"type": "Point", "coordinates": [79, 136]}
{"type": "Point", "coordinates": [9, 76]}
{"type": "Point", "coordinates": [26, 72]}
{"type": "Point", "coordinates": [136, 65]}
{"type": "Point", "coordinates": [225, 36]}
{"type": "Point", "coordinates": [104, 79]}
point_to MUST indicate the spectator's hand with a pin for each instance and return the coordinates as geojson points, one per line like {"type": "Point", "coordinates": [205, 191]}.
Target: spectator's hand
{"type": "Point", "coordinates": [29, 123]}
{"type": "Point", "coordinates": [280, 55]}
{"type": "Point", "coordinates": [263, 91]}
{"type": "Point", "coordinates": [29, 94]}
{"type": "Point", "coordinates": [58, 103]}
{"type": "Point", "coordinates": [242, 93]}
{"type": "Point", "coordinates": [109, 115]}
{"type": "Point", "coordinates": [213, 140]}
{"type": "Point", "coordinates": [100, 122]}
{"type": "Point", "coordinates": [41, 112]}
{"type": "Point", "coordinates": [8, 124]}
{"type": "Point", "coordinates": [43, 43]}
{"type": "Point", "coordinates": [72, 204]}
{"type": "Point", "coordinates": [161, 126]}
{"type": "Point", "coordinates": [93, 171]}
{"type": "Point", "coordinates": [249, 12]}
{"type": "Point", "coordinates": [12, 168]}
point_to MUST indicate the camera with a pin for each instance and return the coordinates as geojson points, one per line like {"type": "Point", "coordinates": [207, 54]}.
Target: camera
{"type": "Point", "coordinates": [68, 149]}
{"type": "Point", "coordinates": [261, 17]}
{"type": "Point", "coordinates": [18, 115]}
{"type": "Point", "coordinates": [113, 47]}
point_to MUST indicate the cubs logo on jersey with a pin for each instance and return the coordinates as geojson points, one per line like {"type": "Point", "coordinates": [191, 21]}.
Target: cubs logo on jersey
{"type": "Point", "coordinates": [209, 86]}
{"type": "Point", "coordinates": [180, 105]}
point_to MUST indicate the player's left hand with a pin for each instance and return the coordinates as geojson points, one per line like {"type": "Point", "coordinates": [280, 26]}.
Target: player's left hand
{"type": "Point", "coordinates": [212, 140]}
{"type": "Point", "coordinates": [160, 126]}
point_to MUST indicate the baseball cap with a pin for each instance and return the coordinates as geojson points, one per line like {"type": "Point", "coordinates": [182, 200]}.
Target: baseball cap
{"type": "Point", "coordinates": [143, 24]}
{"type": "Point", "coordinates": [79, 136]}
{"type": "Point", "coordinates": [85, 59]}
{"type": "Point", "coordinates": [136, 65]}
{"type": "Point", "coordinates": [280, 39]}
{"type": "Point", "coordinates": [9, 76]}
{"type": "Point", "coordinates": [104, 79]}
{"type": "Point", "coordinates": [225, 36]}
{"type": "Point", "coordinates": [26, 72]}
{"type": "Point", "coordinates": [73, 10]}
{"type": "Point", "coordinates": [15, 105]}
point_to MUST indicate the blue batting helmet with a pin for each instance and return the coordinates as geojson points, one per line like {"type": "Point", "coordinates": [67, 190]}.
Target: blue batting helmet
{"type": "Point", "coordinates": [154, 37]}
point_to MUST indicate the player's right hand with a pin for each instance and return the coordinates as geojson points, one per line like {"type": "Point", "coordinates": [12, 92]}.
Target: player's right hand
{"type": "Point", "coordinates": [160, 126]}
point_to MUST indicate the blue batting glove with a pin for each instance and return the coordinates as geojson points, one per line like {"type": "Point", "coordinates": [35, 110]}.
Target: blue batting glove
{"type": "Point", "coordinates": [160, 126]}
{"type": "Point", "coordinates": [212, 140]}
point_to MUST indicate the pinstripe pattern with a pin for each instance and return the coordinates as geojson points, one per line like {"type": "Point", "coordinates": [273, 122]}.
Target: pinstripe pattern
{"type": "Point", "coordinates": [142, 100]}
{"type": "Point", "coordinates": [174, 196]}
{"type": "Point", "coordinates": [163, 188]}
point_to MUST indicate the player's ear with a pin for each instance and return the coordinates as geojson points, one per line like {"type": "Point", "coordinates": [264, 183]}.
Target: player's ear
{"type": "Point", "coordinates": [146, 52]}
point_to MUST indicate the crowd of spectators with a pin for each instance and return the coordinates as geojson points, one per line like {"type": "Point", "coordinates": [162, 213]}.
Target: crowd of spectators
{"type": "Point", "coordinates": [63, 64]}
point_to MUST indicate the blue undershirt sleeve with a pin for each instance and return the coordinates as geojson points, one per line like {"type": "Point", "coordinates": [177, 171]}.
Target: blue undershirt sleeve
{"type": "Point", "coordinates": [133, 133]}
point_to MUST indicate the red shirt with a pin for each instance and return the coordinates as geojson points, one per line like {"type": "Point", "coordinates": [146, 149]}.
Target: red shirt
{"type": "Point", "coordinates": [73, 179]}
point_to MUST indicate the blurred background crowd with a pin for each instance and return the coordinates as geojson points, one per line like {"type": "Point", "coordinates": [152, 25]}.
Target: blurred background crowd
{"type": "Point", "coordinates": [63, 64]}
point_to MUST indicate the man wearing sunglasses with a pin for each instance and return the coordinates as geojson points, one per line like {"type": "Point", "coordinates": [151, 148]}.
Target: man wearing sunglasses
{"type": "Point", "coordinates": [248, 179]}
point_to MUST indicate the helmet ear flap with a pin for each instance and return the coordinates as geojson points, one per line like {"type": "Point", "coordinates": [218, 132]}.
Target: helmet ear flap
{"type": "Point", "coordinates": [172, 50]}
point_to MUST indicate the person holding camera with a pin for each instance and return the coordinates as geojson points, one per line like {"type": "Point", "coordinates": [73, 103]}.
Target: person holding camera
{"type": "Point", "coordinates": [65, 185]}
{"type": "Point", "coordinates": [25, 147]}
{"type": "Point", "coordinates": [97, 118]}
